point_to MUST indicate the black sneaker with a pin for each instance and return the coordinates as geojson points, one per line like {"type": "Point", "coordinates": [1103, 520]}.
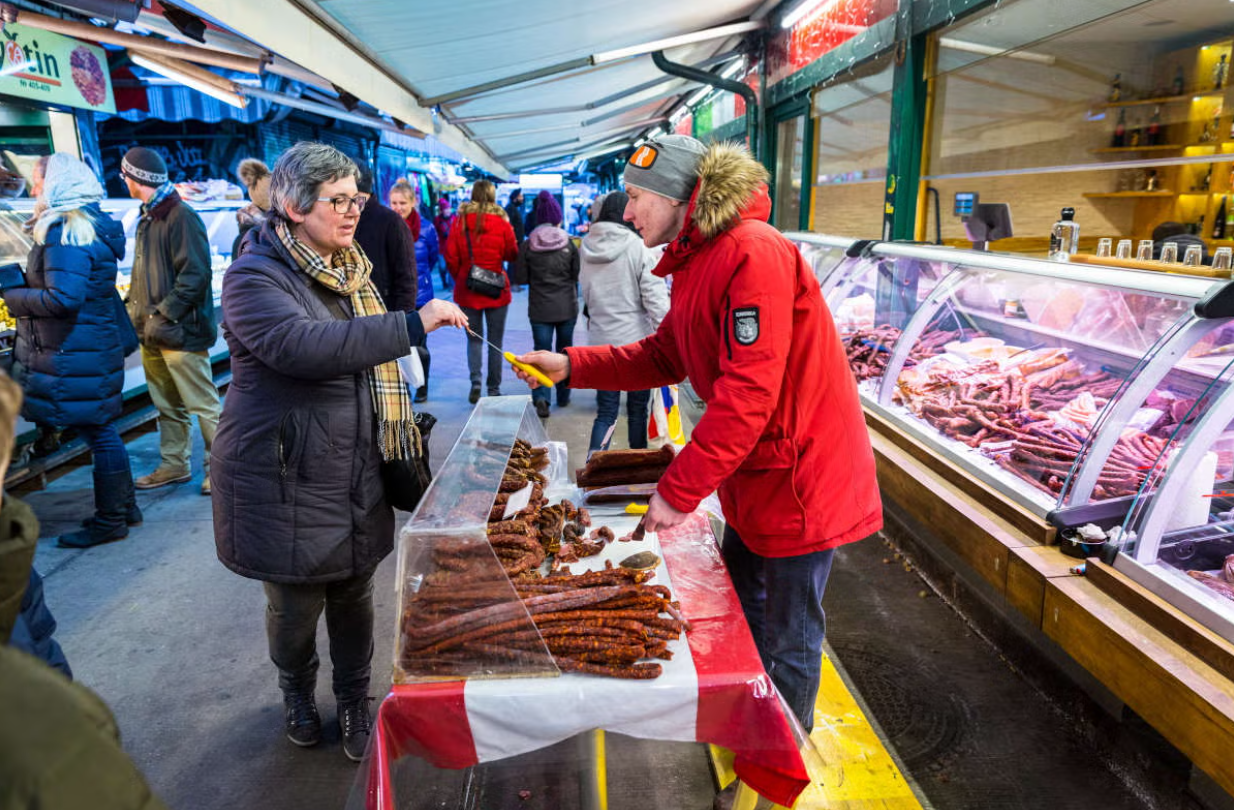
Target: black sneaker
{"type": "Point", "coordinates": [474, 396]}
{"type": "Point", "coordinates": [303, 721]}
{"type": "Point", "coordinates": [357, 726]}
{"type": "Point", "coordinates": [542, 408]}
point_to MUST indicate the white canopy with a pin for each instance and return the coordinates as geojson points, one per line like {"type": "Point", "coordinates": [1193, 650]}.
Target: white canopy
{"type": "Point", "coordinates": [446, 67]}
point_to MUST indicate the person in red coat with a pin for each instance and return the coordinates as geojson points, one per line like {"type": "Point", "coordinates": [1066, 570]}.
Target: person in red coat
{"type": "Point", "coordinates": [783, 438]}
{"type": "Point", "coordinates": [481, 235]}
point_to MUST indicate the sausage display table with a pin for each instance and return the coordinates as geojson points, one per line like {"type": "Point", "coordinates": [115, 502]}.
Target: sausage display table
{"type": "Point", "coordinates": [714, 690]}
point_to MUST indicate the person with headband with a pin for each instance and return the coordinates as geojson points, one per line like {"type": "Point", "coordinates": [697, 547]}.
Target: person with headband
{"type": "Point", "coordinates": [783, 439]}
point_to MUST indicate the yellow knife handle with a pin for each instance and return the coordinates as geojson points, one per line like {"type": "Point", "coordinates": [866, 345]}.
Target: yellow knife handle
{"type": "Point", "coordinates": [636, 509]}
{"type": "Point", "coordinates": [529, 368]}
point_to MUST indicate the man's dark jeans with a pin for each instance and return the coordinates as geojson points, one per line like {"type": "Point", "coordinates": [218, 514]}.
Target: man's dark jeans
{"type": "Point", "coordinates": [607, 405]}
{"type": "Point", "coordinates": [542, 335]}
{"type": "Point", "coordinates": [782, 598]}
{"type": "Point", "coordinates": [292, 613]}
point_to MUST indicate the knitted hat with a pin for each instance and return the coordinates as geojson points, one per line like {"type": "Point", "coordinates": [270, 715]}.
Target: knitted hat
{"type": "Point", "coordinates": [251, 170]}
{"type": "Point", "coordinates": [548, 211]}
{"type": "Point", "coordinates": [667, 165]}
{"type": "Point", "coordinates": [69, 184]}
{"type": "Point", "coordinates": [144, 166]}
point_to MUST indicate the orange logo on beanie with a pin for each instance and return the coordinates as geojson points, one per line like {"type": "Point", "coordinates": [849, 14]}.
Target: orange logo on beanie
{"type": "Point", "coordinates": [644, 157]}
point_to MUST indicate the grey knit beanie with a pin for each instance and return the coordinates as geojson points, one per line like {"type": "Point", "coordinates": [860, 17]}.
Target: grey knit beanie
{"type": "Point", "coordinates": [667, 165]}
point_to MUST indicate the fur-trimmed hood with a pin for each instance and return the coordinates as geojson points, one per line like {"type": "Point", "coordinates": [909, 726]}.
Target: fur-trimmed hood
{"type": "Point", "coordinates": [729, 182]}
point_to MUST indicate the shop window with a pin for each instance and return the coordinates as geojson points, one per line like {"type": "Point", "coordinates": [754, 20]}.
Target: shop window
{"type": "Point", "coordinates": [1119, 109]}
{"type": "Point", "coordinates": [790, 147]}
{"type": "Point", "coordinates": [852, 121]}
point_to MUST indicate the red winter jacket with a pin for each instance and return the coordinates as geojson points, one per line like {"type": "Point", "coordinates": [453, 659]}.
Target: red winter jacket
{"type": "Point", "coordinates": [492, 247]}
{"type": "Point", "coordinates": [783, 438]}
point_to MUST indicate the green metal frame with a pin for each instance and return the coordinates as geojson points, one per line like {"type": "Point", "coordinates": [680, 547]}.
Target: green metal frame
{"type": "Point", "coordinates": [786, 111]}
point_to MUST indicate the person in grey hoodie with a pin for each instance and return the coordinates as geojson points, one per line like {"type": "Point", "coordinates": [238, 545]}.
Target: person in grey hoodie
{"type": "Point", "coordinates": [548, 260]}
{"type": "Point", "coordinates": [623, 303]}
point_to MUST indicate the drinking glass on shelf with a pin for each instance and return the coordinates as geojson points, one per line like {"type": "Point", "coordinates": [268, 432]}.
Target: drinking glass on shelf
{"type": "Point", "coordinates": [1123, 251]}
{"type": "Point", "coordinates": [1222, 258]}
{"type": "Point", "coordinates": [1169, 253]}
{"type": "Point", "coordinates": [1144, 250]}
{"type": "Point", "coordinates": [1193, 257]}
{"type": "Point", "coordinates": [1104, 247]}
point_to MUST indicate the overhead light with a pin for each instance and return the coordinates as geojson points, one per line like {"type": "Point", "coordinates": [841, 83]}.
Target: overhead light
{"type": "Point", "coordinates": [801, 11]}
{"type": "Point", "coordinates": [190, 76]}
{"type": "Point", "coordinates": [681, 113]}
{"type": "Point", "coordinates": [673, 42]}
{"type": "Point", "coordinates": [699, 96]}
{"type": "Point", "coordinates": [735, 68]}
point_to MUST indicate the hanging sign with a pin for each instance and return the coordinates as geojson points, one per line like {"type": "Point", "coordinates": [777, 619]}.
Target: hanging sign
{"type": "Point", "coordinates": [54, 69]}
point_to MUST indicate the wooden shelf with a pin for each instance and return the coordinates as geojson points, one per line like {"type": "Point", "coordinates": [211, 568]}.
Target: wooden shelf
{"type": "Point", "coordinates": [1162, 99]}
{"type": "Point", "coordinates": [1119, 195]}
{"type": "Point", "coordinates": [1158, 148]}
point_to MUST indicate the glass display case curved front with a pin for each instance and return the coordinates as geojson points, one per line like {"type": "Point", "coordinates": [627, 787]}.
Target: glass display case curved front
{"type": "Point", "coordinates": [1006, 365]}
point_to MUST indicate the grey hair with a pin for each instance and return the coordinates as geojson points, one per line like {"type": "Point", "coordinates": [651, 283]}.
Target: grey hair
{"type": "Point", "coordinates": [300, 172]}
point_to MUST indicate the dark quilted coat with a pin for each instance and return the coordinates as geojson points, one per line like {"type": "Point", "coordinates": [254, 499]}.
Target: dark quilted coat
{"type": "Point", "coordinates": [68, 354]}
{"type": "Point", "coordinates": [295, 465]}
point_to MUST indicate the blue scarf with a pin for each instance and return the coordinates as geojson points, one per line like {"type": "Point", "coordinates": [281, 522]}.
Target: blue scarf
{"type": "Point", "coordinates": [161, 193]}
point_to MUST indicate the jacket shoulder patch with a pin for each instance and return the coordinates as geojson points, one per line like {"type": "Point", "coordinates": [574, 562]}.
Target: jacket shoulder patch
{"type": "Point", "coordinates": [745, 325]}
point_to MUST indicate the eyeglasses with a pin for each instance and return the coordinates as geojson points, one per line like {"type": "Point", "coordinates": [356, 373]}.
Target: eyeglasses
{"type": "Point", "coordinates": [342, 205]}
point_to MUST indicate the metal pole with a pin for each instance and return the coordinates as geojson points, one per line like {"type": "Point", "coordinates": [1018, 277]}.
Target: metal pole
{"type": "Point", "coordinates": [702, 76]}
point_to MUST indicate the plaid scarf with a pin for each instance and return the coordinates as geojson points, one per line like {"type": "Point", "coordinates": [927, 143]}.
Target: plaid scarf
{"type": "Point", "coordinates": [348, 274]}
{"type": "Point", "coordinates": [161, 193]}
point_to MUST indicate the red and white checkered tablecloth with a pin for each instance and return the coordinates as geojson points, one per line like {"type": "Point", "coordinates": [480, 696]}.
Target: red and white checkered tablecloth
{"type": "Point", "coordinates": [714, 690]}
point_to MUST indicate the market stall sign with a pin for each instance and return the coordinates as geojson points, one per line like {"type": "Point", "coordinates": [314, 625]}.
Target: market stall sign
{"type": "Point", "coordinates": [54, 69]}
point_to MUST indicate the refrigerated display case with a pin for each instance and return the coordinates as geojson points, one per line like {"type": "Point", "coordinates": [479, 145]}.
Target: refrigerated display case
{"type": "Point", "coordinates": [1037, 378]}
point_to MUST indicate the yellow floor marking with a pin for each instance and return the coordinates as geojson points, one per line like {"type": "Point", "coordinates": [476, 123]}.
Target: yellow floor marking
{"type": "Point", "coordinates": [850, 766]}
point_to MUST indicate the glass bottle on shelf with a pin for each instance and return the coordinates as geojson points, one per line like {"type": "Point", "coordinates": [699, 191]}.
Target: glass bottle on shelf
{"type": "Point", "coordinates": [1064, 236]}
{"type": "Point", "coordinates": [1152, 135]}
{"type": "Point", "coordinates": [1219, 220]}
{"type": "Point", "coordinates": [1135, 137]}
{"type": "Point", "coordinates": [1219, 72]}
{"type": "Point", "coordinates": [1151, 182]}
{"type": "Point", "coordinates": [1116, 89]}
{"type": "Point", "coordinates": [1207, 182]}
{"type": "Point", "coordinates": [1120, 130]}
{"type": "Point", "coordinates": [1179, 81]}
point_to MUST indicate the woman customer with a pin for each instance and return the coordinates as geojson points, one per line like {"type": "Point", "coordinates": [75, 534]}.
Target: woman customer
{"type": "Point", "coordinates": [548, 261]}
{"type": "Point", "coordinates": [316, 404]}
{"type": "Point", "coordinates": [624, 303]}
{"type": "Point", "coordinates": [71, 338]}
{"type": "Point", "coordinates": [402, 201]}
{"type": "Point", "coordinates": [481, 235]}
{"type": "Point", "coordinates": [256, 178]}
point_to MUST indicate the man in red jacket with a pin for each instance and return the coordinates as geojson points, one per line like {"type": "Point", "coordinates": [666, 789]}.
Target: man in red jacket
{"type": "Point", "coordinates": [783, 439]}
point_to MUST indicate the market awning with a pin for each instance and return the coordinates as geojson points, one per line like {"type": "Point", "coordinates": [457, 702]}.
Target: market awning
{"type": "Point", "coordinates": [445, 68]}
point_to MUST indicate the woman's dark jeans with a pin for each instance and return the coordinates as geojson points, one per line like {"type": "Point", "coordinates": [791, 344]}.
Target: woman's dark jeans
{"type": "Point", "coordinates": [542, 335]}
{"type": "Point", "coordinates": [292, 613]}
{"type": "Point", "coordinates": [110, 455]}
{"type": "Point", "coordinates": [607, 405]}
{"type": "Point", "coordinates": [782, 598]}
{"type": "Point", "coordinates": [495, 318]}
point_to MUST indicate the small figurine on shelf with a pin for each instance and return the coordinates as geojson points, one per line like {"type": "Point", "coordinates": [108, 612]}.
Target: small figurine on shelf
{"type": "Point", "coordinates": [1179, 81]}
{"type": "Point", "coordinates": [1135, 137]}
{"type": "Point", "coordinates": [1219, 70]}
{"type": "Point", "coordinates": [1151, 183]}
{"type": "Point", "coordinates": [1116, 89]}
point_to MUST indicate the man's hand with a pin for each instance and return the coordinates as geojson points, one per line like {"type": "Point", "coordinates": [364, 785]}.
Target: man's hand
{"type": "Point", "coordinates": [556, 366]}
{"type": "Point", "coordinates": [662, 516]}
{"type": "Point", "coordinates": [439, 312]}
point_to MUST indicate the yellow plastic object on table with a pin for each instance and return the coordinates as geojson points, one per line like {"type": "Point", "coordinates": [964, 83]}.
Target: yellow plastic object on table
{"type": "Point", "coordinates": [529, 368]}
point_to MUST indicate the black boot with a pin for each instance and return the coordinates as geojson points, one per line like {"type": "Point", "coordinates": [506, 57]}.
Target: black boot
{"type": "Point", "coordinates": [113, 497]}
{"type": "Point", "coordinates": [302, 722]}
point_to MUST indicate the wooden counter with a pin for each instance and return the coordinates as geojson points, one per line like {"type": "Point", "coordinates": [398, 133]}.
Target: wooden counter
{"type": "Point", "coordinates": [1165, 666]}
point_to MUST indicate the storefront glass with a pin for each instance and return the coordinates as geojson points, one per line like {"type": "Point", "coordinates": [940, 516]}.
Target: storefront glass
{"type": "Point", "coordinates": [790, 147]}
{"type": "Point", "coordinates": [853, 117]}
{"type": "Point", "coordinates": [1117, 108]}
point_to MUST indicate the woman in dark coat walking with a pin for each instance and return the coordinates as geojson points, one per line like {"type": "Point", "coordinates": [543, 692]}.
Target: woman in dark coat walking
{"type": "Point", "coordinates": [548, 260]}
{"type": "Point", "coordinates": [70, 341]}
{"type": "Point", "coordinates": [316, 404]}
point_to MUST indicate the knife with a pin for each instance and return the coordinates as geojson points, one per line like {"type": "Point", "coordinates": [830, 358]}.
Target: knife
{"type": "Point", "coordinates": [509, 358]}
{"type": "Point", "coordinates": [640, 531]}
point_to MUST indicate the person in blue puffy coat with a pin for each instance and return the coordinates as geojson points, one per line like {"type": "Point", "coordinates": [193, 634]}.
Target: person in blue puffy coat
{"type": "Point", "coordinates": [70, 348]}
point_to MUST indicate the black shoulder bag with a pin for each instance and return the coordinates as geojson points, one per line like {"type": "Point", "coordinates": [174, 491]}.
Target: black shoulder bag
{"type": "Point", "coordinates": [404, 480]}
{"type": "Point", "coordinates": [489, 283]}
